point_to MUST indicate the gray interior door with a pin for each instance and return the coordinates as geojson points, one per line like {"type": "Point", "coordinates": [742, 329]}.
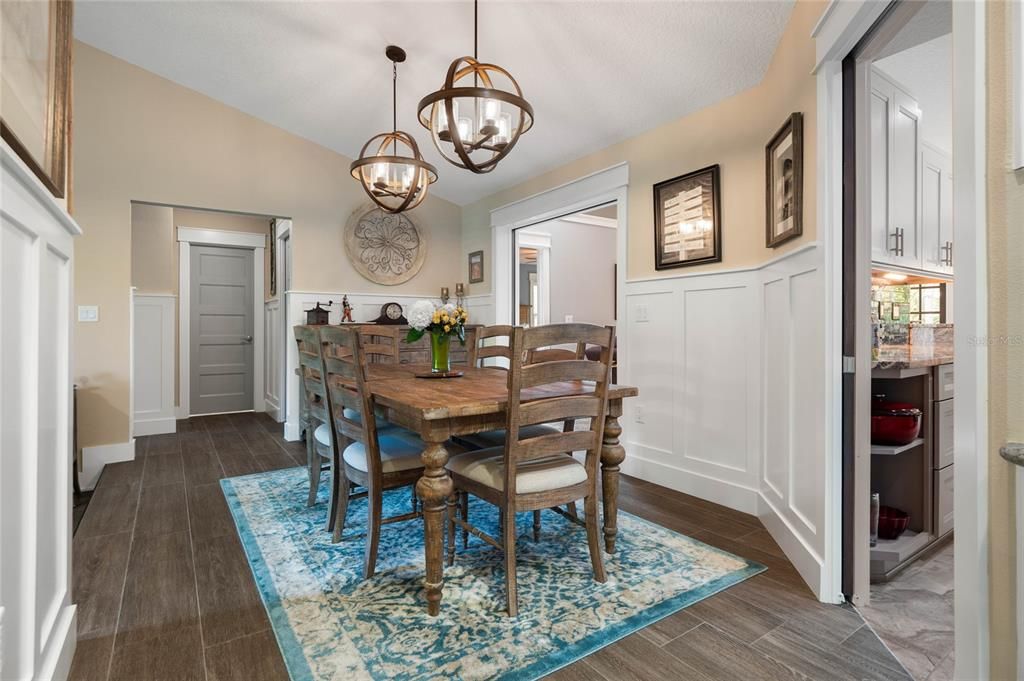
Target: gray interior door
{"type": "Point", "coordinates": [221, 327]}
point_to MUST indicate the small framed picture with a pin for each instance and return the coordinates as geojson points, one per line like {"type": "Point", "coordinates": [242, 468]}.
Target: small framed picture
{"type": "Point", "coordinates": [476, 267]}
{"type": "Point", "coordinates": [895, 312]}
{"type": "Point", "coordinates": [688, 220]}
{"type": "Point", "coordinates": [784, 182]}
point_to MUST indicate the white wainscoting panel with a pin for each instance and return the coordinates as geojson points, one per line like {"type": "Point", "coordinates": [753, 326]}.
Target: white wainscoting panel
{"type": "Point", "coordinates": [730, 367]}
{"type": "Point", "coordinates": [273, 358]}
{"type": "Point", "coordinates": [37, 624]}
{"type": "Point", "coordinates": [153, 339]}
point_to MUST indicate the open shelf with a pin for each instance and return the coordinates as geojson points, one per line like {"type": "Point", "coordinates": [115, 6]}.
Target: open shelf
{"type": "Point", "coordinates": [890, 450]}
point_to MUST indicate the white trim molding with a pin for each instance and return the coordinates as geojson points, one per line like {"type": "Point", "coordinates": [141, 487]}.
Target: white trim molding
{"type": "Point", "coordinates": [1017, 84]}
{"type": "Point", "coordinates": [153, 339]}
{"type": "Point", "coordinates": [95, 458]}
{"type": "Point", "coordinates": [187, 237]}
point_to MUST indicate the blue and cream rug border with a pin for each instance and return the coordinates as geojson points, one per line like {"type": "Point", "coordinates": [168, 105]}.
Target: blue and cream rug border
{"type": "Point", "coordinates": [330, 623]}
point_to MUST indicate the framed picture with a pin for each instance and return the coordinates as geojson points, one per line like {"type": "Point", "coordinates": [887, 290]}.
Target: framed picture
{"type": "Point", "coordinates": [34, 86]}
{"type": "Point", "coordinates": [688, 220]}
{"type": "Point", "coordinates": [476, 267]}
{"type": "Point", "coordinates": [784, 182]}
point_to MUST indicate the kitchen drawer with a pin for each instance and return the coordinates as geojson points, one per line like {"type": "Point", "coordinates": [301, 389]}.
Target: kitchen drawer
{"type": "Point", "coordinates": [943, 500]}
{"type": "Point", "coordinates": [944, 381]}
{"type": "Point", "coordinates": [942, 434]}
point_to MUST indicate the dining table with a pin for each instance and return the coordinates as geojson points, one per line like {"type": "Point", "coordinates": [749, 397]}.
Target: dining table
{"type": "Point", "coordinates": [438, 409]}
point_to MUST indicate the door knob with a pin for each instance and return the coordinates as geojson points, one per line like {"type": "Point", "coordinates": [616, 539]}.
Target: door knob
{"type": "Point", "coordinates": [247, 339]}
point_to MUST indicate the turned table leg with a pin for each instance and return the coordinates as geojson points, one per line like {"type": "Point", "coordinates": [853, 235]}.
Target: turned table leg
{"type": "Point", "coordinates": [433, 490]}
{"type": "Point", "coordinates": [612, 454]}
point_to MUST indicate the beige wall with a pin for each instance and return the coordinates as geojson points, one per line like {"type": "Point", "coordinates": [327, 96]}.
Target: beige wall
{"type": "Point", "coordinates": [139, 137]}
{"type": "Point", "coordinates": [732, 133]}
{"type": "Point", "coordinates": [1005, 206]}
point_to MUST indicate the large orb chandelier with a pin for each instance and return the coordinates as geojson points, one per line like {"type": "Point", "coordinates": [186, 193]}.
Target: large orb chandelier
{"type": "Point", "coordinates": [476, 125]}
{"type": "Point", "coordinates": [394, 181]}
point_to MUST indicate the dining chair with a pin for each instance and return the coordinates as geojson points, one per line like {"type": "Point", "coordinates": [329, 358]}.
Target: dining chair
{"type": "Point", "coordinates": [534, 473]}
{"type": "Point", "coordinates": [381, 343]}
{"type": "Point", "coordinates": [314, 421]}
{"type": "Point", "coordinates": [375, 459]}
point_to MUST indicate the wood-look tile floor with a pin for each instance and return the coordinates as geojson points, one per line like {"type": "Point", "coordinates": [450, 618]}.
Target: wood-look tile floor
{"type": "Point", "coordinates": [164, 591]}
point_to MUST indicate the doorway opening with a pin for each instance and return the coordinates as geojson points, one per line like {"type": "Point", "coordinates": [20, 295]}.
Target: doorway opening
{"type": "Point", "coordinates": [566, 269]}
{"type": "Point", "coordinates": [898, 299]}
{"type": "Point", "coordinates": [200, 281]}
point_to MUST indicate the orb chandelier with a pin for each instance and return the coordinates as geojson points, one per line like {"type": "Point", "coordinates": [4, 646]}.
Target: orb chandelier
{"type": "Point", "coordinates": [476, 125]}
{"type": "Point", "coordinates": [395, 179]}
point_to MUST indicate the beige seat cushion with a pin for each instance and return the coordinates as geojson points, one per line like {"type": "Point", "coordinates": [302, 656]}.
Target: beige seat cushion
{"type": "Point", "coordinates": [496, 438]}
{"type": "Point", "coordinates": [487, 466]}
{"type": "Point", "coordinates": [323, 432]}
{"type": "Point", "coordinates": [397, 453]}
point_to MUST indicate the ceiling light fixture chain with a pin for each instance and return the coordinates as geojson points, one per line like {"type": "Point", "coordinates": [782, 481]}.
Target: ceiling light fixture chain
{"type": "Point", "coordinates": [396, 182]}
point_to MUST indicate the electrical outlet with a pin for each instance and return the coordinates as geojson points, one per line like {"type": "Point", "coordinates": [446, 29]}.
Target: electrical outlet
{"type": "Point", "coordinates": [641, 313]}
{"type": "Point", "coordinates": [568, 319]}
{"type": "Point", "coordinates": [638, 413]}
{"type": "Point", "coordinates": [88, 313]}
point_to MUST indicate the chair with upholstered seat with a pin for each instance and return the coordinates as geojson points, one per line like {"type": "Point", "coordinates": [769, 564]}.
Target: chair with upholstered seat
{"type": "Point", "coordinates": [376, 459]}
{"type": "Point", "coordinates": [533, 473]}
{"type": "Point", "coordinates": [314, 421]}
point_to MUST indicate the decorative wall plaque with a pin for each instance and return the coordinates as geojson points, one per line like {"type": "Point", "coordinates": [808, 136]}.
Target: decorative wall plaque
{"type": "Point", "coordinates": [385, 248]}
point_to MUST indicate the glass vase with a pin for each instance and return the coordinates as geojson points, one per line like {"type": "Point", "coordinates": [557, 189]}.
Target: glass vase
{"type": "Point", "coordinates": [439, 346]}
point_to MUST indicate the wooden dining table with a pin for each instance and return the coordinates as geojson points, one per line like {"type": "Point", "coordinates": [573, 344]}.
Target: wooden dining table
{"type": "Point", "coordinates": [439, 408]}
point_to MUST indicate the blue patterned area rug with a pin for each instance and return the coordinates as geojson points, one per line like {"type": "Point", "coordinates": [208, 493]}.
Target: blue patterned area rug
{"type": "Point", "coordinates": [330, 624]}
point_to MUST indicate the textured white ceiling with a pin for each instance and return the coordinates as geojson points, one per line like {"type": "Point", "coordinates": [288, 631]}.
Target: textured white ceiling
{"type": "Point", "coordinates": [595, 71]}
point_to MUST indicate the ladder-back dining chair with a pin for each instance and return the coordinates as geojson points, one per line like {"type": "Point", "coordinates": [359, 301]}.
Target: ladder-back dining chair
{"type": "Point", "coordinates": [373, 458]}
{"type": "Point", "coordinates": [314, 420]}
{"type": "Point", "coordinates": [534, 473]}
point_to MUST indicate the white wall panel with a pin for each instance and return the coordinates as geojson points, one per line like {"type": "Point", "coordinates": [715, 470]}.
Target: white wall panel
{"type": "Point", "coordinates": [37, 619]}
{"type": "Point", "coordinates": [153, 363]}
{"type": "Point", "coordinates": [730, 367]}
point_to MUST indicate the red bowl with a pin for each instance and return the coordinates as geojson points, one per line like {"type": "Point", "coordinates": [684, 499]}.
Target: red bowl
{"type": "Point", "coordinates": [894, 423]}
{"type": "Point", "coordinates": [892, 522]}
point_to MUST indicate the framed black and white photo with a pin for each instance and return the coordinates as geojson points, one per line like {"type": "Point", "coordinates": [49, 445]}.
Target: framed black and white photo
{"type": "Point", "coordinates": [688, 220]}
{"type": "Point", "coordinates": [784, 182]}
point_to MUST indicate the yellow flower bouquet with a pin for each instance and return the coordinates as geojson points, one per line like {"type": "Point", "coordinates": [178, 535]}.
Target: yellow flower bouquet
{"type": "Point", "coordinates": [441, 322]}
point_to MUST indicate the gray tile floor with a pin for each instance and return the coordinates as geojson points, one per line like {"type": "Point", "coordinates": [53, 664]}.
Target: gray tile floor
{"type": "Point", "coordinates": [913, 615]}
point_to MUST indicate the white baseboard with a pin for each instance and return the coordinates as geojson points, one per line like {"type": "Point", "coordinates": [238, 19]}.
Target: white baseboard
{"type": "Point", "coordinates": [730, 495]}
{"type": "Point", "coordinates": [799, 554]}
{"type": "Point", "coordinates": [55, 662]}
{"type": "Point", "coordinates": [292, 433]}
{"type": "Point", "coordinates": [157, 426]}
{"type": "Point", "coordinates": [95, 458]}
{"type": "Point", "coordinates": [273, 409]}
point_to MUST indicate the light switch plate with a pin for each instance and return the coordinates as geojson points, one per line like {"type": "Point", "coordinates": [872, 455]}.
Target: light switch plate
{"type": "Point", "coordinates": [641, 313]}
{"type": "Point", "coordinates": [88, 313]}
{"type": "Point", "coordinates": [569, 319]}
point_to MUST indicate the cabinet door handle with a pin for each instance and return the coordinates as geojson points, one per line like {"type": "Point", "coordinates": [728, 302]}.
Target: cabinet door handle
{"type": "Point", "coordinates": [899, 241]}
{"type": "Point", "coordinates": [950, 261]}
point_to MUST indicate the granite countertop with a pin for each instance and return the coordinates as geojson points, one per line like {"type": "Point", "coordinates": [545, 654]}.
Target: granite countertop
{"type": "Point", "coordinates": [913, 356]}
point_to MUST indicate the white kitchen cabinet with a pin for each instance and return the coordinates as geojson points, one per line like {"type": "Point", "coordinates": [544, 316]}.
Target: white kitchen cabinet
{"type": "Point", "coordinates": [936, 210]}
{"type": "Point", "coordinates": [897, 225]}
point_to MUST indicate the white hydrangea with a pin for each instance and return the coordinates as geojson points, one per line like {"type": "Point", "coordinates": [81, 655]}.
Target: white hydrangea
{"type": "Point", "coordinates": [421, 314]}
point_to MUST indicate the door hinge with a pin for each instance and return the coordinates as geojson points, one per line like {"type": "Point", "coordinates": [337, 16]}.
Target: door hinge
{"type": "Point", "coordinates": [849, 364]}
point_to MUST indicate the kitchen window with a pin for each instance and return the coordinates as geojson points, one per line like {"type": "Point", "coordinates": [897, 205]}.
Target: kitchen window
{"type": "Point", "coordinates": [927, 303]}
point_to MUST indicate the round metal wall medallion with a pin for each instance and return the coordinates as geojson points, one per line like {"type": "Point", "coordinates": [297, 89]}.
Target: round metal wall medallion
{"type": "Point", "coordinates": [386, 248]}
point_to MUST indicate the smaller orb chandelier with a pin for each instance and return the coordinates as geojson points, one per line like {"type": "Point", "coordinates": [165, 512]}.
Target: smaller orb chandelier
{"type": "Point", "coordinates": [475, 126]}
{"type": "Point", "coordinates": [395, 182]}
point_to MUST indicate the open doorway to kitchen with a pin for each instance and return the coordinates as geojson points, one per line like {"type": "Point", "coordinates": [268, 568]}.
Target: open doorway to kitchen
{"type": "Point", "coordinates": [566, 269]}
{"type": "Point", "coordinates": [899, 312]}
{"type": "Point", "coordinates": [201, 280]}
